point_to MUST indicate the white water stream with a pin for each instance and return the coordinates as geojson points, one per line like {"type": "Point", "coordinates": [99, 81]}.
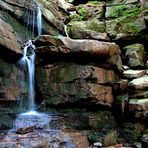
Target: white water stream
{"type": "Point", "coordinates": [27, 62]}
{"type": "Point", "coordinates": [39, 19]}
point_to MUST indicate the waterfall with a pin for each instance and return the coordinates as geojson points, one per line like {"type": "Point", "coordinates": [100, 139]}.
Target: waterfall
{"type": "Point", "coordinates": [39, 19]}
{"type": "Point", "coordinates": [34, 18]}
{"type": "Point", "coordinates": [65, 29]}
{"type": "Point", "coordinates": [27, 63]}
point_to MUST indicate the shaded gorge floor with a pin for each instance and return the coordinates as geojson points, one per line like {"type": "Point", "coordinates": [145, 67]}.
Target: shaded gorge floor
{"type": "Point", "coordinates": [66, 128]}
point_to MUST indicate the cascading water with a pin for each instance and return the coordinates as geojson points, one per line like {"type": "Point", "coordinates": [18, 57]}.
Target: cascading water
{"type": "Point", "coordinates": [34, 18]}
{"type": "Point", "coordinates": [39, 19]}
{"type": "Point", "coordinates": [65, 29]}
{"type": "Point", "coordinates": [27, 63]}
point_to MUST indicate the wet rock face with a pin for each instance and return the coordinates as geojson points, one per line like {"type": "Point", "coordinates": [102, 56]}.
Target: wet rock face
{"type": "Point", "coordinates": [14, 32]}
{"type": "Point", "coordinates": [72, 83]}
{"type": "Point", "coordinates": [11, 88]}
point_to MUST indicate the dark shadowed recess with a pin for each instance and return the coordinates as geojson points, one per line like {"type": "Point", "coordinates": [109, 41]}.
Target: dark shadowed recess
{"type": "Point", "coordinates": [8, 55]}
{"type": "Point", "coordinates": [87, 104]}
{"type": "Point", "coordinates": [76, 57]}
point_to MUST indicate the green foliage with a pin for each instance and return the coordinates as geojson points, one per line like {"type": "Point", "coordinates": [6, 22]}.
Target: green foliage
{"type": "Point", "coordinates": [120, 99]}
{"type": "Point", "coordinates": [83, 12]}
{"type": "Point", "coordinates": [123, 10]}
{"type": "Point", "coordinates": [94, 2]}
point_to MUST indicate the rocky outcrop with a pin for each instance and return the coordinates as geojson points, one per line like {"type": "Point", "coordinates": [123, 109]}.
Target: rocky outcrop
{"type": "Point", "coordinates": [92, 48]}
{"type": "Point", "coordinates": [12, 85]}
{"type": "Point", "coordinates": [15, 32]}
{"type": "Point", "coordinates": [133, 73]}
{"type": "Point", "coordinates": [144, 138]}
{"type": "Point", "coordinates": [134, 55]}
{"type": "Point", "coordinates": [8, 38]}
{"type": "Point", "coordinates": [82, 70]}
{"type": "Point", "coordinates": [139, 83]}
{"type": "Point", "coordinates": [72, 83]}
{"type": "Point", "coordinates": [109, 19]}
{"type": "Point", "coordinates": [139, 107]}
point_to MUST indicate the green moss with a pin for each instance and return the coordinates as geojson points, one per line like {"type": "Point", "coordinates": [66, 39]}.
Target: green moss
{"type": "Point", "coordinates": [96, 26]}
{"type": "Point", "coordinates": [94, 2]}
{"type": "Point", "coordinates": [130, 131]}
{"type": "Point", "coordinates": [105, 137]}
{"type": "Point", "coordinates": [120, 99]}
{"type": "Point", "coordinates": [123, 10]}
{"type": "Point", "coordinates": [75, 17]}
{"type": "Point", "coordinates": [83, 12]}
{"type": "Point", "coordinates": [102, 119]}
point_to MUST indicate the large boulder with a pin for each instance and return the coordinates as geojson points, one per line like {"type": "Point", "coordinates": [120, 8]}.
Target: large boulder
{"type": "Point", "coordinates": [134, 55]}
{"type": "Point", "coordinates": [139, 108]}
{"type": "Point", "coordinates": [71, 83]}
{"type": "Point", "coordinates": [115, 11]}
{"type": "Point", "coordinates": [133, 73]}
{"type": "Point", "coordinates": [92, 29]}
{"type": "Point", "coordinates": [88, 11]}
{"type": "Point", "coordinates": [125, 28]}
{"type": "Point", "coordinates": [139, 83]}
{"type": "Point", "coordinates": [99, 50]}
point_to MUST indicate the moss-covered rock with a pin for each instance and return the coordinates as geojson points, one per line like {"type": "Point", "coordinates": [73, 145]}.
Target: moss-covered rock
{"type": "Point", "coordinates": [134, 55]}
{"type": "Point", "coordinates": [93, 9]}
{"type": "Point", "coordinates": [70, 83]}
{"type": "Point", "coordinates": [144, 138]}
{"type": "Point", "coordinates": [122, 10]}
{"type": "Point", "coordinates": [115, 2]}
{"type": "Point", "coordinates": [107, 138]}
{"type": "Point", "coordinates": [102, 120]}
{"type": "Point", "coordinates": [130, 131]}
{"type": "Point", "coordinates": [87, 29]}
{"type": "Point", "coordinates": [125, 28]}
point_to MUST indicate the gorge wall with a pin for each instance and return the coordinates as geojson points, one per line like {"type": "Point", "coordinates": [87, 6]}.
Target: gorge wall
{"type": "Point", "coordinates": [101, 64]}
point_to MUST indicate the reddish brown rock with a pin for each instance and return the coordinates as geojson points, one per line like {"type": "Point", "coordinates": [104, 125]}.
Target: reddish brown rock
{"type": "Point", "coordinates": [71, 83]}
{"type": "Point", "coordinates": [139, 107]}
{"type": "Point", "coordinates": [76, 138]}
{"type": "Point", "coordinates": [8, 38]}
{"type": "Point", "coordinates": [68, 72]}
{"type": "Point", "coordinates": [98, 48]}
{"type": "Point", "coordinates": [71, 93]}
{"type": "Point", "coordinates": [25, 130]}
{"type": "Point", "coordinates": [106, 51]}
